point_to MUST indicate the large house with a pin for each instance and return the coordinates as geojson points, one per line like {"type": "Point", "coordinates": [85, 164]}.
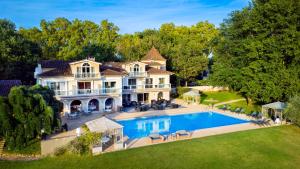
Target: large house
{"type": "Point", "coordinates": [93, 86]}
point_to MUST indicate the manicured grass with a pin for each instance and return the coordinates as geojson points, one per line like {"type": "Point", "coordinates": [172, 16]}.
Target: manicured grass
{"type": "Point", "coordinates": [276, 147]}
{"type": "Point", "coordinates": [243, 104]}
{"type": "Point", "coordinates": [220, 96]}
{"type": "Point", "coordinates": [33, 148]}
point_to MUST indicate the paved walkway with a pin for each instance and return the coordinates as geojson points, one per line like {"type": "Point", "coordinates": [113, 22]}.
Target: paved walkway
{"type": "Point", "coordinates": [230, 101]}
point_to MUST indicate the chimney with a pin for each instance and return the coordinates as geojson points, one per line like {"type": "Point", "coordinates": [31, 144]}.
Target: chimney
{"type": "Point", "coordinates": [91, 58]}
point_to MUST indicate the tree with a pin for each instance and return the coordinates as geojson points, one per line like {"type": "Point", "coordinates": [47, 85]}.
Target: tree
{"type": "Point", "coordinates": [185, 48]}
{"type": "Point", "coordinates": [25, 114]}
{"type": "Point", "coordinates": [292, 111]}
{"type": "Point", "coordinates": [258, 51]}
{"type": "Point", "coordinates": [72, 40]}
{"type": "Point", "coordinates": [18, 56]}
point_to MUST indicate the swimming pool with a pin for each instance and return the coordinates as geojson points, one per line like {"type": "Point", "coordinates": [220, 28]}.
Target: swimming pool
{"type": "Point", "coordinates": [143, 126]}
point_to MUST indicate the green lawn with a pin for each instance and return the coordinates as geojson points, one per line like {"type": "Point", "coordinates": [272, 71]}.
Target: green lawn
{"type": "Point", "coordinates": [221, 96]}
{"type": "Point", "coordinates": [248, 107]}
{"type": "Point", "coordinates": [276, 147]}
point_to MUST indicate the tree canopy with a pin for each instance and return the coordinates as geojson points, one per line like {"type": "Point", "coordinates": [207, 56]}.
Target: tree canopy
{"type": "Point", "coordinates": [18, 55]}
{"type": "Point", "coordinates": [185, 48]}
{"type": "Point", "coordinates": [26, 113]}
{"type": "Point", "coordinates": [70, 40]}
{"type": "Point", "coordinates": [258, 51]}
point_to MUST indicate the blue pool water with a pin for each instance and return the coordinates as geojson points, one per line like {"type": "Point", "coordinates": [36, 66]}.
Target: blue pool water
{"type": "Point", "coordinates": [143, 126]}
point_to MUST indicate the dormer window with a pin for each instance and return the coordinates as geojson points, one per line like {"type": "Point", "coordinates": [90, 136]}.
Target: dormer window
{"type": "Point", "coordinates": [136, 68]}
{"type": "Point", "coordinates": [86, 68]}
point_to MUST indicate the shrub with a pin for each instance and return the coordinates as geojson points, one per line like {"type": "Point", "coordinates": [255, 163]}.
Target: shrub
{"type": "Point", "coordinates": [81, 145]}
{"type": "Point", "coordinates": [292, 111]}
{"type": "Point", "coordinates": [60, 151]}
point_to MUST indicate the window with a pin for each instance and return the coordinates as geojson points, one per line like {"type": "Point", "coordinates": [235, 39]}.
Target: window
{"type": "Point", "coordinates": [56, 85]}
{"type": "Point", "coordinates": [132, 83]}
{"type": "Point", "coordinates": [136, 68]}
{"type": "Point", "coordinates": [149, 82]}
{"type": "Point", "coordinates": [86, 68]}
{"type": "Point", "coordinates": [109, 84]}
{"type": "Point", "coordinates": [84, 85]}
{"type": "Point", "coordinates": [161, 80]}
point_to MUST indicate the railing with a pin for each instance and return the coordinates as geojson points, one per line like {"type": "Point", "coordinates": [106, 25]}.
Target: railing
{"type": "Point", "coordinates": [137, 74]}
{"type": "Point", "coordinates": [146, 87]}
{"type": "Point", "coordinates": [86, 75]}
{"type": "Point", "coordinates": [79, 92]}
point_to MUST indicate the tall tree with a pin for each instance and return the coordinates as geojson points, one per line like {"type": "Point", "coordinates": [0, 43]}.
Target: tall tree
{"type": "Point", "coordinates": [17, 55]}
{"type": "Point", "coordinates": [71, 40]}
{"type": "Point", "coordinates": [258, 52]}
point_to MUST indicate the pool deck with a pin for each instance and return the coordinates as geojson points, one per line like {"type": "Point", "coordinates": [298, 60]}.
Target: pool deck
{"type": "Point", "coordinates": [48, 146]}
{"type": "Point", "coordinates": [188, 109]}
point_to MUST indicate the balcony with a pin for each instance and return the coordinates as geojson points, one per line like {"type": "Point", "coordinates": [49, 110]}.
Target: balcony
{"type": "Point", "coordinates": [138, 74]}
{"type": "Point", "coordinates": [87, 92]}
{"type": "Point", "coordinates": [86, 75]}
{"type": "Point", "coordinates": [147, 87]}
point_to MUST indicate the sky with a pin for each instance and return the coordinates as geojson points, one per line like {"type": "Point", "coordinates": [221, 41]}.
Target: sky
{"type": "Point", "coordinates": [129, 15]}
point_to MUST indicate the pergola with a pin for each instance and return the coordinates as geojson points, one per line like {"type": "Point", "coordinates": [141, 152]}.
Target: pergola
{"type": "Point", "coordinates": [108, 127]}
{"type": "Point", "coordinates": [192, 96]}
{"type": "Point", "coordinates": [275, 109]}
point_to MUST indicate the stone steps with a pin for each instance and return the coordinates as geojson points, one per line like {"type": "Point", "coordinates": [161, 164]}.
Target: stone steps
{"type": "Point", "coordinates": [2, 141]}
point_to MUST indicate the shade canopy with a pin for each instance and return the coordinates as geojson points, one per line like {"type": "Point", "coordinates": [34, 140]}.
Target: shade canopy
{"type": "Point", "coordinates": [102, 125]}
{"type": "Point", "coordinates": [191, 93]}
{"type": "Point", "coordinates": [274, 110]}
{"type": "Point", "coordinates": [275, 106]}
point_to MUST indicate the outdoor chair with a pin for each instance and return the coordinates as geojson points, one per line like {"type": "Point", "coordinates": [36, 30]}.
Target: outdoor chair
{"type": "Point", "coordinates": [174, 105]}
{"type": "Point", "coordinates": [182, 134]}
{"type": "Point", "coordinates": [156, 138]}
{"type": "Point", "coordinates": [224, 107]}
{"type": "Point", "coordinates": [237, 110]}
{"type": "Point", "coordinates": [253, 114]}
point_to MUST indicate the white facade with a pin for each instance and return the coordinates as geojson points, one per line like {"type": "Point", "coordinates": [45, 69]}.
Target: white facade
{"type": "Point", "coordinates": [85, 86]}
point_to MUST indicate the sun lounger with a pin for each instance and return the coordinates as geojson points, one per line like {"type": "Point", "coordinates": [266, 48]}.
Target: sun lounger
{"type": "Point", "coordinates": [182, 133]}
{"type": "Point", "coordinates": [156, 137]}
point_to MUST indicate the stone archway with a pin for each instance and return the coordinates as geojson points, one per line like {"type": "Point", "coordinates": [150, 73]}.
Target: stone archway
{"type": "Point", "coordinates": [109, 104]}
{"type": "Point", "coordinates": [75, 106]}
{"type": "Point", "coordinates": [93, 105]}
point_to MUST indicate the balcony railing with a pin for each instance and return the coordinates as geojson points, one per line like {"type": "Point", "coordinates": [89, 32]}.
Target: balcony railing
{"type": "Point", "coordinates": [86, 75]}
{"type": "Point", "coordinates": [146, 87]}
{"type": "Point", "coordinates": [137, 74]}
{"type": "Point", "coordinates": [79, 92]}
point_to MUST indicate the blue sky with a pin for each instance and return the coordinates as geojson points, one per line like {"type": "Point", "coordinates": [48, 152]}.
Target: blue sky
{"type": "Point", "coordinates": [129, 15]}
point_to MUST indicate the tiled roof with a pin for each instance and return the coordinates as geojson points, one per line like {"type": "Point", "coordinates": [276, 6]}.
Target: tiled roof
{"type": "Point", "coordinates": [153, 54]}
{"type": "Point", "coordinates": [154, 64]}
{"type": "Point", "coordinates": [53, 63]}
{"type": "Point", "coordinates": [60, 68]}
{"type": "Point", "coordinates": [6, 85]}
{"type": "Point", "coordinates": [112, 68]}
{"type": "Point", "coordinates": [152, 70]}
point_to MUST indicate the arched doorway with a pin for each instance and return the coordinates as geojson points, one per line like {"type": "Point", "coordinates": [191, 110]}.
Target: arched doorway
{"type": "Point", "coordinates": [93, 105]}
{"type": "Point", "coordinates": [75, 106]}
{"type": "Point", "coordinates": [159, 96]}
{"type": "Point", "coordinates": [109, 104]}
